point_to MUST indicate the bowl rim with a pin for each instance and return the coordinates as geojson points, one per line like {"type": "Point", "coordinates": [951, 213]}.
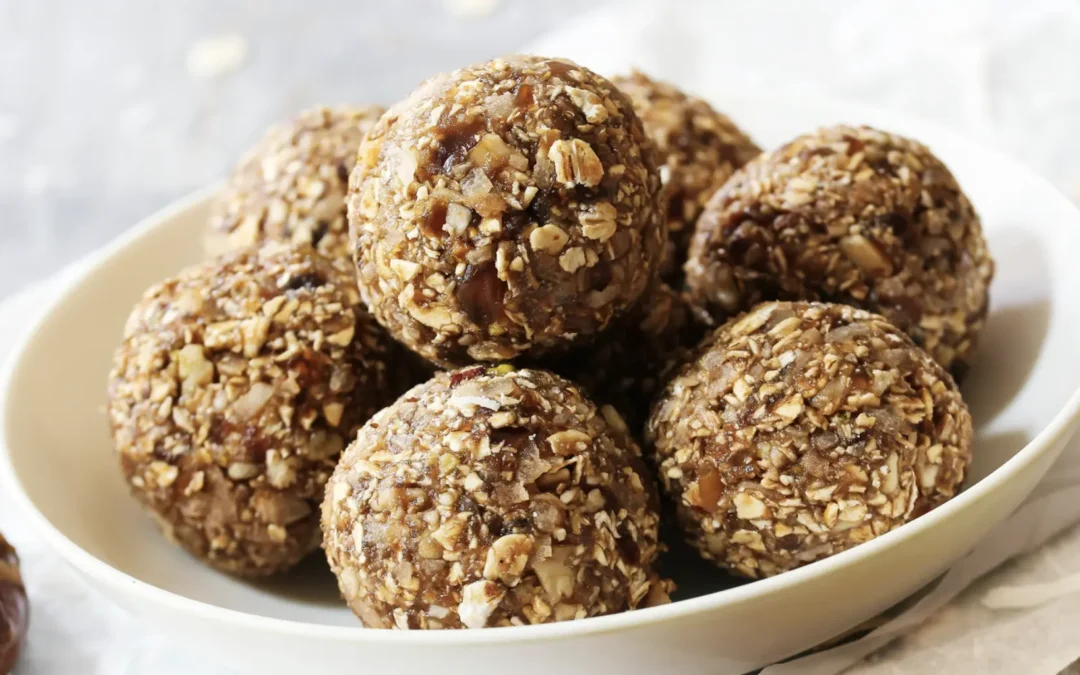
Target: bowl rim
{"type": "Point", "coordinates": [1056, 431]}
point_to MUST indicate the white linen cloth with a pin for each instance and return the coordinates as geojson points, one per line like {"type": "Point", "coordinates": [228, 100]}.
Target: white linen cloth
{"type": "Point", "coordinates": [1002, 71]}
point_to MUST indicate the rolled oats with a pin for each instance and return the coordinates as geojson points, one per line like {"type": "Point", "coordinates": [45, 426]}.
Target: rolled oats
{"type": "Point", "coordinates": [256, 416]}
{"type": "Point", "coordinates": [799, 466]}
{"type": "Point", "coordinates": [551, 517]}
{"type": "Point", "coordinates": [531, 193]}
{"type": "Point", "coordinates": [851, 215]}
{"type": "Point", "coordinates": [699, 149]}
{"type": "Point", "coordinates": [290, 187]}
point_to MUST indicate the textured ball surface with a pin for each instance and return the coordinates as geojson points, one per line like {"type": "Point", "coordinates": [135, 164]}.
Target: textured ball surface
{"type": "Point", "coordinates": [490, 496]}
{"type": "Point", "coordinates": [628, 363]}
{"type": "Point", "coordinates": [850, 215]}
{"type": "Point", "coordinates": [803, 429]}
{"type": "Point", "coordinates": [290, 187]}
{"type": "Point", "coordinates": [236, 387]}
{"type": "Point", "coordinates": [699, 148]}
{"type": "Point", "coordinates": [505, 208]}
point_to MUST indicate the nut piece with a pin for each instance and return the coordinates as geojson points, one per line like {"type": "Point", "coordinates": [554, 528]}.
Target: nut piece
{"type": "Point", "coordinates": [852, 215]}
{"type": "Point", "coordinates": [228, 414]}
{"type": "Point", "coordinates": [290, 187]}
{"type": "Point", "coordinates": [14, 607]}
{"type": "Point", "coordinates": [507, 557]}
{"type": "Point", "coordinates": [478, 600]}
{"type": "Point", "coordinates": [548, 239]}
{"type": "Point", "coordinates": [441, 514]}
{"type": "Point", "coordinates": [699, 150]}
{"type": "Point", "coordinates": [800, 430]}
{"type": "Point", "coordinates": [527, 217]}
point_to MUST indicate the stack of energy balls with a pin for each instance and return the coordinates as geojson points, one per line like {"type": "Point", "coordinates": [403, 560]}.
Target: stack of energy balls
{"type": "Point", "coordinates": [591, 264]}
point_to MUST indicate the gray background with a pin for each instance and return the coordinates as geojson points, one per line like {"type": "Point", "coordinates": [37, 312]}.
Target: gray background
{"type": "Point", "coordinates": [102, 121]}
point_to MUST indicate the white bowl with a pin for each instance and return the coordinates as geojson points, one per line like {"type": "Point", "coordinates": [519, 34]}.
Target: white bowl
{"type": "Point", "coordinates": [1023, 393]}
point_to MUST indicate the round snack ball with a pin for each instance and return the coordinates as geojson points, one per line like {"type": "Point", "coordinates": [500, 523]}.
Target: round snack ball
{"type": "Point", "coordinates": [627, 364]}
{"type": "Point", "coordinates": [490, 496]}
{"type": "Point", "coordinates": [505, 208]}
{"type": "Point", "coordinates": [232, 395]}
{"type": "Point", "coordinates": [699, 150]}
{"type": "Point", "coordinates": [851, 215]}
{"type": "Point", "coordinates": [802, 429]}
{"type": "Point", "coordinates": [291, 186]}
{"type": "Point", "coordinates": [14, 607]}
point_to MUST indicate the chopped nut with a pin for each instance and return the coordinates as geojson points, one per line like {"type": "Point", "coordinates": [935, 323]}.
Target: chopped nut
{"type": "Point", "coordinates": [280, 472]}
{"type": "Point", "coordinates": [548, 239]}
{"type": "Point", "coordinates": [405, 269]}
{"type": "Point", "coordinates": [478, 601]}
{"type": "Point", "coordinates": [569, 442]}
{"type": "Point", "coordinates": [333, 413]}
{"type": "Point", "coordinates": [507, 557]}
{"type": "Point", "coordinates": [458, 218]}
{"type": "Point", "coordinates": [572, 260]}
{"type": "Point", "coordinates": [790, 408]}
{"type": "Point", "coordinates": [249, 405]}
{"type": "Point", "coordinates": [277, 534]}
{"type": "Point", "coordinates": [343, 337]}
{"type": "Point", "coordinates": [748, 506]}
{"type": "Point", "coordinates": [194, 369]}
{"type": "Point", "coordinates": [490, 151]}
{"type": "Point", "coordinates": [243, 470]}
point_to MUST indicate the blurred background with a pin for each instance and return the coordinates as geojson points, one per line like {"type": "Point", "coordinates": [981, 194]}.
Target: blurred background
{"type": "Point", "coordinates": [111, 109]}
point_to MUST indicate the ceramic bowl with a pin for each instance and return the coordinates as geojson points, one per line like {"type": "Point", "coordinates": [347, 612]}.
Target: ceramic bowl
{"type": "Point", "coordinates": [57, 459]}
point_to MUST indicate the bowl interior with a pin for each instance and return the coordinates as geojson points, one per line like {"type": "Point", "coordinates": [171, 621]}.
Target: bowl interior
{"type": "Point", "coordinates": [56, 435]}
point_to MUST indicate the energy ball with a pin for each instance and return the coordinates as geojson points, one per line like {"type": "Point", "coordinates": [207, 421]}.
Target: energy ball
{"type": "Point", "coordinates": [291, 186]}
{"type": "Point", "coordinates": [627, 364]}
{"type": "Point", "coordinates": [14, 607]}
{"type": "Point", "coordinates": [235, 389]}
{"type": "Point", "coordinates": [851, 215]}
{"type": "Point", "coordinates": [490, 496]}
{"type": "Point", "coordinates": [803, 429]}
{"type": "Point", "coordinates": [699, 150]}
{"type": "Point", "coordinates": [505, 208]}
